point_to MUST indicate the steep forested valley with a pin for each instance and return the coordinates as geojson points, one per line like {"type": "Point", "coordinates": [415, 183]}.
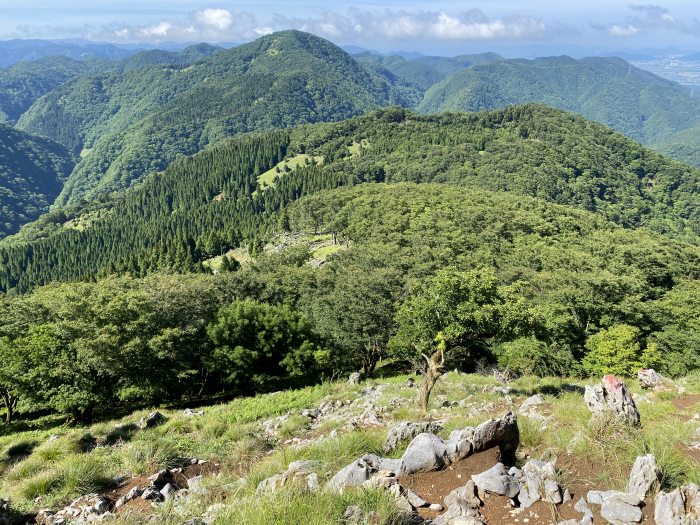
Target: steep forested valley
{"type": "Point", "coordinates": [240, 228]}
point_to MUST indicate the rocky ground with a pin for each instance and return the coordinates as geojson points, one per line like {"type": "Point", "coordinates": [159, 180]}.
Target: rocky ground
{"type": "Point", "coordinates": [532, 451]}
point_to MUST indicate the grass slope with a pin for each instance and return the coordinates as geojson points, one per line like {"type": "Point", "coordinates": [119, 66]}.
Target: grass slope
{"type": "Point", "coordinates": [589, 456]}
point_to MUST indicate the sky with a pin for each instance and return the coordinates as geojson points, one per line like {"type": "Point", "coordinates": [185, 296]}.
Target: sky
{"type": "Point", "coordinates": [516, 28]}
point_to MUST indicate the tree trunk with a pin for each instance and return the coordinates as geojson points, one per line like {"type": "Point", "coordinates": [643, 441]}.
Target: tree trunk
{"type": "Point", "coordinates": [433, 371]}
{"type": "Point", "coordinates": [10, 405]}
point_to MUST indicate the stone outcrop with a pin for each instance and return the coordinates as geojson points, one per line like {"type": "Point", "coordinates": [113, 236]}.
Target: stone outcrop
{"type": "Point", "coordinates": [462, 507]}
{"type": "Point", "coordinates": [538, 482]}
{"type": "Point", "coordinates": [428, 452]}
{"type": "Point", "coordinates": [618, 508]}
{"type": "Point", "coordinates": [407, 430]}
{"type": "Point", "coordinates": [645, 472]}
{"type": "Point", "coordinates": [679, 506]}
{"type": "Point", "coordinates": [611, 396]}
{"type": "Point", "coordinates": [300, 474]}
{"type": "Point", "coordinates": [649, 378]}
{"type": "Point", "coordinates": [497, 480]}
{"type": "Point", "coordinates": [152, 420]}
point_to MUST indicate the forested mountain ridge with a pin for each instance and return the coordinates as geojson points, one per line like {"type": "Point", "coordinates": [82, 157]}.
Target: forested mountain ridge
{"type": "Point", "coordinates": [140, 121]}
{"type": "Point", "coordinates": [637, 103]}
{"type": "Point", "coordinates": [426, 71]}
{"type": "Point", "coordinates": [32, 172]}
{"type": "Point", "coordinates": [24, 83]}
{"type": "Point", "coordinates": [214, 201]}
{"type": "Point", "coordinates": [18, 50]}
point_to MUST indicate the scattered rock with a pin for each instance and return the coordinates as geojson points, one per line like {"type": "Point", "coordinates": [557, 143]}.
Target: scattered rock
{"type": "Point", "coordinates": [612, 396]}
{"type": "Point", "coordinates": [531, 403]}
{"type": "Point", "coordinates": [497, 480]}
{"type": "Point", "coordinates": [152, 420]}
{"type": "Point", "coordinates": [415, 500]}
{"type": "Point", "coordinates": [300, 474]}
{"type": "Point", "coordinates": [311, 413]}
{"type": "Point", "coordinates": [645, 472]}
{"type": "Point", "coordinates": [134, 493]}
{"type": "Point", "coordinates": [193, 413]}
{"type": "Point", "coordinates": [151, 494]}
{"type": "Point", "coordinates": [538, 482]}
{"type": "Point", "coordinates": [168, 491]}
{"type": "Point", "coordinates": [617, 507]}
{"type": "Point", "coordinates": [429, 452]}
{"type": "Point", "coordinates": [649, 378]}
{"type": "Point", "coordinates": [87, 509]}
{"type": "Point", "coordinates": [462, 507]}
{"type": "Point", "coordinates": [354, 378]}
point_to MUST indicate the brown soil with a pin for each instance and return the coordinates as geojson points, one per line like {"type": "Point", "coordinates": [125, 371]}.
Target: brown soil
{"type": "Point", "coordinates": [179, 480]}
{"type": "Point", "coordinates": [434, 486]}
{"type": "Point", "coordinates": [498, 510]}
{"type": "Point", "coordinates": [686, 402]}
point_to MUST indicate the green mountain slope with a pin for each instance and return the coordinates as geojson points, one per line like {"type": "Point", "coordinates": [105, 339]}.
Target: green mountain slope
{"type": "Point", "coordinates": [426, 71]}
{"type": "Point", "coordinates": [140, 121]}
{"type": "Point", "coordinates": [609, 90]}
{"type": "Point", "coordinates": [213, 201]}
{"type": "Point", "coordinates": [32, 171]}
{"type": "Point", "coordinates": [25, 82]}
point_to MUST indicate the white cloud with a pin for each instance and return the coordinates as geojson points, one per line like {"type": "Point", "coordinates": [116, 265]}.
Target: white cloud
{"type": "Point", "coordinates": [355, 25]}
{"type": "Point", "coordinates": [404, 25]}
{"type": "Point", "coordinates": [648, 18]}
{"type": "Point", "coordinates": [220, 19]}
{"type": "Point", "coordinates": [156, 31]}
{"type": "Point", "coordinates": [616, 30]}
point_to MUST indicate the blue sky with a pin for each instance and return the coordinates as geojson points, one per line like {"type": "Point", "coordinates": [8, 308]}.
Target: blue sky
{"type": "Point", "coordinates": [510, 26]}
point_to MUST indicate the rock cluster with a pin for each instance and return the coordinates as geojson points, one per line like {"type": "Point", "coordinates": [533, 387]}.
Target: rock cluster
{"type": "Point", "coordinates": [87, 509]}
{"type": "Point", "coordinates": [679, 506]}
{"type": "Point", "coordinates": [619, 508]}
{"type": "Point", "coordinates": [428, 452]}
{"type": "Point", "coordinates": [625, 508]}
{"type": "Point", "coordinates": [612, 397]}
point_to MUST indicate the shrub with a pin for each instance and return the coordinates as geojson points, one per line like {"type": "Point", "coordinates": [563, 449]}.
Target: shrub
{"type": "Point", "coordinates": [529, 356]}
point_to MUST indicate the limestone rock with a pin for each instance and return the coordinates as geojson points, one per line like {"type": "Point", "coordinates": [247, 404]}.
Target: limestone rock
{"type": "Point", "coordinates": [497, 480]}
{"type": "Point", "coordinates": [462, 507]}
{"type": "Point", "coordinates": [300, 474]}
{"type": "Point", "coordinates": [649, 378]}
{"type": "Point", "coordinates": [645, 472]}
{"type": "Point", "coordinates": [617, 507]}
{"type": "Point", "coordinates": [612, 396]}
{"type": "Point", "coordinates": [407, 430]}
{"type": "Point", "coordinates": [429, 452]}
{"type": "Point", "coordinates": [152, 420]}
{"type": "Point", "coordinates": [354, 378]}
{"type": "Point", "coordinates": [538, 482]}
{"type": "Point", "coordinates": [679, 506]}
{"type": "Point", "coordinates": [531, 403]}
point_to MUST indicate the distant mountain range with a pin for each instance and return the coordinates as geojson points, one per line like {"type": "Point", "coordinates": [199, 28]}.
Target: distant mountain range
{"type": "Point", "coordinates": [136, 114]}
